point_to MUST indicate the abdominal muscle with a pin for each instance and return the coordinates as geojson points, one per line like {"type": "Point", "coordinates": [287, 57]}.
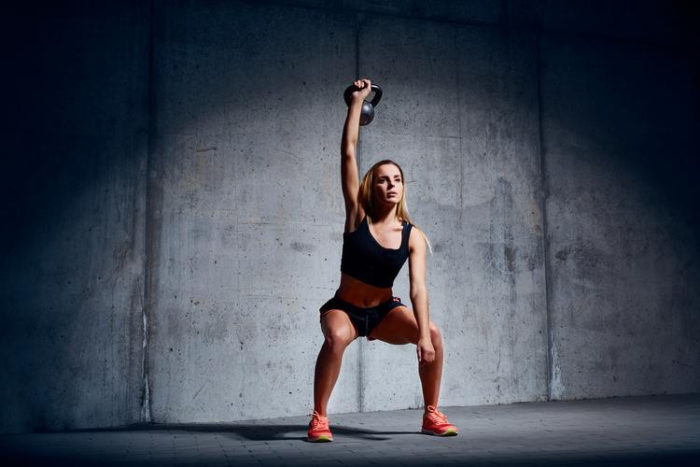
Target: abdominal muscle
{"type": "Point", "coordinates": [360, 294]}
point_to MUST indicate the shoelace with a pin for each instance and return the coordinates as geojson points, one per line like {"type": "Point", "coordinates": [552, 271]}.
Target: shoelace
{"type": "Point", "coordinates": [438, 415]}
{"type": "Point", "coordinates": [315, 420]}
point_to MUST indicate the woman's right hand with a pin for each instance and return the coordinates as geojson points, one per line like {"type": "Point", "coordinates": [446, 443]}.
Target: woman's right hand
{"type": "Point", "coordinates": [364, 87]}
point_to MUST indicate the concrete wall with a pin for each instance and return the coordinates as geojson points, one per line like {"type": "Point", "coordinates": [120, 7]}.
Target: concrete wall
{"type": "Point", "coordinates": [244, 208]}
{"type": "Point", "coordinates": [177, 219]}
{"type": "Point", "coordinates": [75, 137]}
{"type": "Point", "coordinates": [618, 123]}
{"type": "Point", "coordinates": [461, 118]}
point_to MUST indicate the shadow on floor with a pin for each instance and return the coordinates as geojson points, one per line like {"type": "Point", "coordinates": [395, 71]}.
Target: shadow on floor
{"type": "Point", "coordinates": [256, 432]}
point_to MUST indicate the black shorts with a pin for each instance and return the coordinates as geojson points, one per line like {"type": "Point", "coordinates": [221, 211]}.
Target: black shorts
{"type": "Point", "coordinates": [364, 319]}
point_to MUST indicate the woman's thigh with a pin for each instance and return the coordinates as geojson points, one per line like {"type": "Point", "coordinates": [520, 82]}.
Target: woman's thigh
{"type": "Point", "coordinates": [336, 325]}
{"type": "Point", "coordinates": [399, 326]}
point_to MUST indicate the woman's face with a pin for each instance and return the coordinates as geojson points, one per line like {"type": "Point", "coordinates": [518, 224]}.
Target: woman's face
{"type": "Point", "coordinates": [388, 184]}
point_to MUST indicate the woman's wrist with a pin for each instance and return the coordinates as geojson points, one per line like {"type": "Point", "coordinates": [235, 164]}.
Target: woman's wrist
{"type": "Point", "coordinates": [356, 100]}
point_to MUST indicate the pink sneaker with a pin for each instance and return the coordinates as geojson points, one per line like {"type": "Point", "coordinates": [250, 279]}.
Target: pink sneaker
{"type": "Point", "coordinates": [435, 423]}
{"type": "Point", "coordinates": [318, 429]}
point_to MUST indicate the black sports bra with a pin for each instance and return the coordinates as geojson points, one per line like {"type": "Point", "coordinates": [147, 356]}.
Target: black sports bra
{"type": "Point", "coordinates": [365, 259]}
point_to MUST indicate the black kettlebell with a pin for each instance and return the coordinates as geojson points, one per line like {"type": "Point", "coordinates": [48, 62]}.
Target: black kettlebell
{"type": "Point", "coordinates": [367, 114]}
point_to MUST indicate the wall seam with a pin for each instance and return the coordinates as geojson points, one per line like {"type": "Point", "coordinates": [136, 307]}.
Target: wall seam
{"type": "Point", "coordinates": [145, 415]}
{"type": "Point", "coordinates": [456, 32]}
{"type": "Point", "coordinates": [358, 160]}
{"type": "Point", "coordinates": [544, 194]}
{"type": "Point", "coordinates": [504, 21]}
{"type": "Point", "coordinates": [369, 11]}
{"type": "Point", "coordinates": [358, 156]}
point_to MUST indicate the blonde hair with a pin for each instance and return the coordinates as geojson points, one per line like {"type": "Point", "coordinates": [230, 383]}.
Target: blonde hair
{"type": "Point", "coordinates": [366, 196]}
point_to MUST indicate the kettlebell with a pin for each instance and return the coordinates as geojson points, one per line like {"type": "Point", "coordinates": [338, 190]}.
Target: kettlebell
{"type": "Point", "coordinates": [367, 114]}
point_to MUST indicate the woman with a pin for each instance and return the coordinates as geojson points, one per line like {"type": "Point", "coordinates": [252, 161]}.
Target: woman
{"type": "Point", "coordinates": [377, 241]}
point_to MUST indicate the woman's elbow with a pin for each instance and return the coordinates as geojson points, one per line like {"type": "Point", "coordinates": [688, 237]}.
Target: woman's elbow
{"type": "Point", "coordinates": [347, 151]}
{"type": "Point", "coordinates": [418, 292]}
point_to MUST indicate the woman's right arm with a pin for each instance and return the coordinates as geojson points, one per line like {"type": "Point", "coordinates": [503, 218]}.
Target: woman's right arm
{"type": "Point", "coordinates": [348, 164]}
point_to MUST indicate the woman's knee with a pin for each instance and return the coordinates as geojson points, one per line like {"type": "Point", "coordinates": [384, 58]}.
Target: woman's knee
{"type": "Point", "coordinates": [337, 339]}
{"type": "Point", "coordinates": [338, 331]}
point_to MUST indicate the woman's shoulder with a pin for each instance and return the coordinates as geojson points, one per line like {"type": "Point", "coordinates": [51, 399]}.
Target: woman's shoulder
{"type": "Point", "coordinates": [415, 230]}
{"type": "Point", "coordinates": [409, 224]}
{"type": "Point", "coordinates": [416, 238]}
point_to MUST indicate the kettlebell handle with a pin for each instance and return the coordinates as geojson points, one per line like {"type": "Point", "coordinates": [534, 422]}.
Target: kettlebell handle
{"type": "Point", "coordinates": [352, 88]}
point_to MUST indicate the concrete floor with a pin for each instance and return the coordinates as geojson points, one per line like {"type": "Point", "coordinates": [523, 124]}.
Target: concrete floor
{"type": "Point", "coordinates": [662, 430]}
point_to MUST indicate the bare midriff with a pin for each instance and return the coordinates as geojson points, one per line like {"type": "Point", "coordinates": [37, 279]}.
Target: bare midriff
{"type": "Point", "coordinates": [361, 294]}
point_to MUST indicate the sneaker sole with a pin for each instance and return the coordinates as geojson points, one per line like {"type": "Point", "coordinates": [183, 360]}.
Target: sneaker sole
{"type": "Point", "coordinates": [320, 439]}
{"type": "Point", "coordinates": [448, 432]}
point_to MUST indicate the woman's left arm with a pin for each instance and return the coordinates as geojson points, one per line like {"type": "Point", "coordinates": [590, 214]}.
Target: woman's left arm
{"type": "Point", "coordinates": [419, 295]}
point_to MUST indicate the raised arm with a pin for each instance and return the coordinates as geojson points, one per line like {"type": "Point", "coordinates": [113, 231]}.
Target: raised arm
{"type": "Point", "coordinates": [348, 163]}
